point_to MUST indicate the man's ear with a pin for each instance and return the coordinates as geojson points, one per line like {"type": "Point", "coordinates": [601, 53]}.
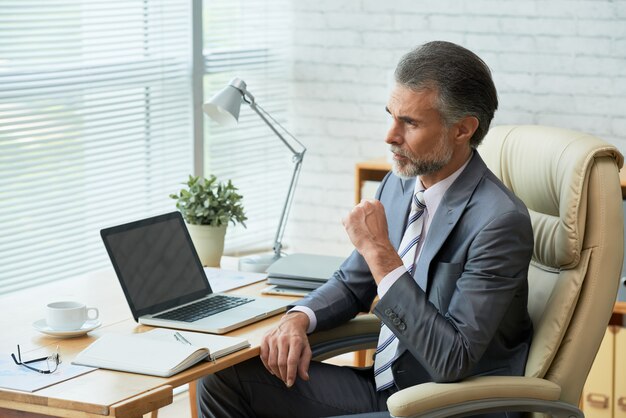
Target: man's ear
{"type": "Point", "coordinates": [465, 128]}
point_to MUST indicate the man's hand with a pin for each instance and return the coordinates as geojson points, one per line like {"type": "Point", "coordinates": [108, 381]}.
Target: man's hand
{"type": "Point", "coordinates": [285, 350]}
{"type": "Point", "coordinates": [366, 226]}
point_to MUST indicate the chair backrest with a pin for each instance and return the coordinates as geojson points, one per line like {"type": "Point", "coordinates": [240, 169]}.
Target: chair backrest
{"type": "Point", "coordinates": [570, 183]}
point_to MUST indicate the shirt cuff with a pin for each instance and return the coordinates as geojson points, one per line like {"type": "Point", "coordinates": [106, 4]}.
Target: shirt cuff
{"type": "Point", "coordinates": [309, 312]}
{"type": "Point", "coordinates": [389, 280]}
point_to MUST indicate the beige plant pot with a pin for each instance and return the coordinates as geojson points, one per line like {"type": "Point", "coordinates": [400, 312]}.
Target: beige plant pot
{"type": "Point", "coordinates": [209, 243]}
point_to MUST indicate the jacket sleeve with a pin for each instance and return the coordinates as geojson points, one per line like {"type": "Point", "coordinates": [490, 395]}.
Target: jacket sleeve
{"type": "Point", "coordinates": [450, 344]}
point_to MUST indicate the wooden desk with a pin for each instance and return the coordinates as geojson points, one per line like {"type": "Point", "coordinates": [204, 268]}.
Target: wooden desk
{"type": "Point", "coordinates": [101, 393]}
{"type": "Point", "coordinates": [371, 170]}
{"type": "Point", "coordinates": [619, 309]}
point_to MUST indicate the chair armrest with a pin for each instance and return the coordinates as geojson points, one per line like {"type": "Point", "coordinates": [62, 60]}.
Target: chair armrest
{"type": "Point", "coordinates": [477, 394]}
{"type": "Point", "coordinates": [441, 400]}
{"type": "Point", "coordinates": [357, 334]}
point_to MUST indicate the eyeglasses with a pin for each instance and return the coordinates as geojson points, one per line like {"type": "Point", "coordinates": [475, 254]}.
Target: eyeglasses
{"type": "Point", "coordinates": [52, 361]}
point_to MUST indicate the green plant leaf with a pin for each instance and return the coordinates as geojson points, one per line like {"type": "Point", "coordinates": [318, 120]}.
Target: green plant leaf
{"type": "Point", "coordinates": [210, 202]}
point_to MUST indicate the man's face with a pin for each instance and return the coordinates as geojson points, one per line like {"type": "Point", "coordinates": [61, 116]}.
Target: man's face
{"type": "Point", "coordinates": [417, 135]}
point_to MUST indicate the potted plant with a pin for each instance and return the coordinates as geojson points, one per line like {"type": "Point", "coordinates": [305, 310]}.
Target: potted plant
{"type": "Point", "coordinates": [207, 206]}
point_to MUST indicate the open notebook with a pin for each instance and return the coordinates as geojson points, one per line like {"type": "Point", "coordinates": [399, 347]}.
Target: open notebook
{"type": "Point", "coordinates": [157, 352]}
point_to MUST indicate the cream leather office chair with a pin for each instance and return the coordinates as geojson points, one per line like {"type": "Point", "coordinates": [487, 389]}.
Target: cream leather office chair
{"type": "Point", "coordinates": [570, 184]}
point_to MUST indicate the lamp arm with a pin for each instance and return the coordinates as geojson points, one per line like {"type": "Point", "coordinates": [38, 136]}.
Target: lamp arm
{"type": "Point", "coordinates": [259, 111]}
{"type": "Point", "coordinates": [297, 159]}
{"type": "Point", "coordinates": [283, 216]}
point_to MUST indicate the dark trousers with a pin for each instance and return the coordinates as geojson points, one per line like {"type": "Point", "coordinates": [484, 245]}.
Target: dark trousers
{"type": "Point", "coordinates": [249, 390]}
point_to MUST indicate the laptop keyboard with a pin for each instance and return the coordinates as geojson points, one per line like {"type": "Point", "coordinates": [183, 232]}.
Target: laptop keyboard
{"type": "Point", "coordinates": [204, 308]}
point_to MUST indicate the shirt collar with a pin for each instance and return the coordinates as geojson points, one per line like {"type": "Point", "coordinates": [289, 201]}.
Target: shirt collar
{"type": "Point", "coordinates": [434, 194]}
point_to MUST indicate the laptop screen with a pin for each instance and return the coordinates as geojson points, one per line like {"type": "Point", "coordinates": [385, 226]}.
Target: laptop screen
{"type": "Point", "coordinates": [156, 263]}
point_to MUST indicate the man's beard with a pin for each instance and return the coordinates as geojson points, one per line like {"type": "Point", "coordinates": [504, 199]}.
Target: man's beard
{"type": "Point", "coordinates": [423, 164]}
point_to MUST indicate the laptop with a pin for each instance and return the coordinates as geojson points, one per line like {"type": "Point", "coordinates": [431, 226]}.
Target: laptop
{"type": "Point", "coordinates": [165, 284]}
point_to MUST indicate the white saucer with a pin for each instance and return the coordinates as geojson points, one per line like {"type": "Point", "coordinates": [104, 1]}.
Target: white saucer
{"type": "Point", "coordinates": [89, 325]}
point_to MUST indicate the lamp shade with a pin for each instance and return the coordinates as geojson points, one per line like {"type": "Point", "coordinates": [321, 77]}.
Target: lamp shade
{"type": "Point", "coordinates": [224, 106]}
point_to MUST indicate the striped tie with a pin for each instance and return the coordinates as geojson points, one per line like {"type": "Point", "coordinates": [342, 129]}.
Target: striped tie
{"type": "Point", "coordinates": [387, 341]}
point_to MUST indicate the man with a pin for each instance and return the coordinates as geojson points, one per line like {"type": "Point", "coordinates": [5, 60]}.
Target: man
{"type": "Point", "coordinates": [444, 245]}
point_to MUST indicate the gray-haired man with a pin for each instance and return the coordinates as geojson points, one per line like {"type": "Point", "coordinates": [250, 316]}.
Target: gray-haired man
{"type": "Point", "coordinates": [444, 245]}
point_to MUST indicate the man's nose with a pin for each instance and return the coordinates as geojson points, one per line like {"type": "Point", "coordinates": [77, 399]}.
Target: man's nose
{"type": "Point", "coordinates": [394, 134]}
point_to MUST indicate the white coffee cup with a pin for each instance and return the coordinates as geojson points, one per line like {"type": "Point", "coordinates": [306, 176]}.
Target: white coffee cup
{"type": "Point", "coordinates": [68, 316]}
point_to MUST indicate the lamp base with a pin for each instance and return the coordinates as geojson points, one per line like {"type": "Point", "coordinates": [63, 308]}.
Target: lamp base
{"type": "Point", "coordinates": [257, 263]}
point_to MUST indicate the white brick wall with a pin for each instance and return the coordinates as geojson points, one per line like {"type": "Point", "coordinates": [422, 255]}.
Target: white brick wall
{"type": "Point", "coordinates": [559, 63]}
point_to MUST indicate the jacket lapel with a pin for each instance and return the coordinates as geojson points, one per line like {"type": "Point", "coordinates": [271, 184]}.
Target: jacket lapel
{"type": "Point", "coordinates": [450, 209]}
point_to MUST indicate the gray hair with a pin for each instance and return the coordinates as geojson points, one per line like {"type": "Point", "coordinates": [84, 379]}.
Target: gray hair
{"type": "Point", "coordinates": [462, 80]}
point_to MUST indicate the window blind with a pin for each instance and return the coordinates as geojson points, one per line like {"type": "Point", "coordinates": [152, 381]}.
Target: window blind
{"type": "Point", "coordinates": [249, 39]}
{"type": "Point", "coordinates": [95, 127]}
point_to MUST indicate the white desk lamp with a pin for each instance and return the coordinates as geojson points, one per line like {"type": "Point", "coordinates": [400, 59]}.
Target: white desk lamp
{"type": "Point", "coordinates": [223, 108]}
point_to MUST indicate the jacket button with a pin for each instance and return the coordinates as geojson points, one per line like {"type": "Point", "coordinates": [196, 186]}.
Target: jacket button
{"type": "Point", "coordinates": [402, 326]}
{"type": "Point", "coordinates": [393, 316]}
{"type": "Point", "coordinates": [388, 311]}
{"type": "Point", "coordinates": [396, 321]}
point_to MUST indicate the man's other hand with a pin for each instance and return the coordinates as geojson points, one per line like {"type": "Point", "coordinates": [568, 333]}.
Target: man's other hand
{"type": "Point", "coordinates": [285, 350]}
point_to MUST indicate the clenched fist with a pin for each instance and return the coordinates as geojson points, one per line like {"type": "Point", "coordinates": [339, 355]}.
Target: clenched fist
{"type": "Point", "coordinates": [366, 226]}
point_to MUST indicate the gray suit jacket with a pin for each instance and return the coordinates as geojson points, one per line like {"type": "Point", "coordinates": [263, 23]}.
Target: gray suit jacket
{"type": "Point", "coordinates": [472, 318]}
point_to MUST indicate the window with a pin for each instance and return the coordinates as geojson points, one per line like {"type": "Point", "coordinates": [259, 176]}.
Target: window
{"type": "Point", "coordinates": [249, 39]}
{"type": "Point", "coordinates": [95, 127]}
{"type": "Point", "coordinates": [96, 122]}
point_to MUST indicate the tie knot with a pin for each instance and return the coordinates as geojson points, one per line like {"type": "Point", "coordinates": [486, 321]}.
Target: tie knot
{"type": "Point", "coordinates": [418, 200]}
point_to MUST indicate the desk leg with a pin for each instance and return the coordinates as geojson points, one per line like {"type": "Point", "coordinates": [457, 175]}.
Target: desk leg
{"type": "Point", "coordinates": [359, 358]}
{"type": "Point", "coordinates": [193, 398]}
{"type": "Point", "coordinates": [363, 358]}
